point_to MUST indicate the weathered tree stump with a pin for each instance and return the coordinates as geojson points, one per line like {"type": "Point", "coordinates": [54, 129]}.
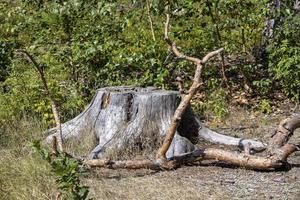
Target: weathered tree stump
{"type": "Point", "coordinates": [122, 116]}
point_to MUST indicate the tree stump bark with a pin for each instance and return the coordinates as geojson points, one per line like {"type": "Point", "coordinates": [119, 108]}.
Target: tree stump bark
{"type": "Point", "coordinates": [122, 116]}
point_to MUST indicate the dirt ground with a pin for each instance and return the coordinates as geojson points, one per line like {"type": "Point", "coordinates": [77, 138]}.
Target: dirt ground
{"type": "Point", "coordinates": [197, 182]}
{"type": "Point", "coordinates": [210, 180]}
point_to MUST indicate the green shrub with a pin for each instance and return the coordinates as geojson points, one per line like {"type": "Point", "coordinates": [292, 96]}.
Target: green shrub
{"type": "Point", "coordinates": [284, 57]}
{"type": "Point", "coordinates": [67, 171]}
{"type": "Point", "coordinates": [217, 103]}
{"type": "Point", "coordinates": [265, 106]}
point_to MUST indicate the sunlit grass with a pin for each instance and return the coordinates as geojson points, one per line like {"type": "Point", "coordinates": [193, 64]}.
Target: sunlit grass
{"type": "Point", "coordinates": [23, 175]}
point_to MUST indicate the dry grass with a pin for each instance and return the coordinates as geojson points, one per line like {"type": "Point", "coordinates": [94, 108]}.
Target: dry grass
{"type": "Point", "coordinates": [139, 184]}
{"type": "Point", "coordinates": [23, 175]}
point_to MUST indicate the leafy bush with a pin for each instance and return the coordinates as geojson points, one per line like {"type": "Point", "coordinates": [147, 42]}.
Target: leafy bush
{"type": "Point", "coordinates": [67, 171]}
{"type": "Point", "coordinates": [217, 103]}
{"type": "Point", "coordinates": [284, 57]}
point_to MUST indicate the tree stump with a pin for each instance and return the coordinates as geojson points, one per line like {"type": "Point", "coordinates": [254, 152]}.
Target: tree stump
{"type": "Point", "coordinates": [123, 116]}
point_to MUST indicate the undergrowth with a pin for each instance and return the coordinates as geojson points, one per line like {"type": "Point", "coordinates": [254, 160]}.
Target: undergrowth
{"type": "Point", "coordinates": [27, 175]}
{"type": "Point", "coordinates": [215, 105]}
{"type": "Point", "coordinates": [67, 171]}
{"type": "Point", "coordinates": [23, 174]}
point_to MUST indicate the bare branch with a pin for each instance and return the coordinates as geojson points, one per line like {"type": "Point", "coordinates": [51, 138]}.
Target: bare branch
{"type": "Point", "coordinates": [161, 153]}
{"type": "Point", "coordinates": [54, 146]}
{"type": "Point", "coordinates": [283, 133]}
{"type": "Point", "coordinates": [52, 102]}
{"type": "Point", "coordinates": [172, 163]}
{"type": "Point", "coordinates": [150, 19]}
{"type": "Point", "coordinates": [173, 45]}
{"type": "Point", "coordinates": [210, 55]}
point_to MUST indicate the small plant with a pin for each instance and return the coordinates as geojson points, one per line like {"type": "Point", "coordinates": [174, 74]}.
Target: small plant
{"type": "Point", "coordinates": [263, 86]}
{"type": "Point", "coordinates": [265, 106]}
{"type": "Point", "coordinates": [67, 171]}
{"type": "Point", "coordinates": [214, 103]}
{"type": "Point", "coordinates": [199, 108]}
{"type": "Point", "coordinates": [217, 103]}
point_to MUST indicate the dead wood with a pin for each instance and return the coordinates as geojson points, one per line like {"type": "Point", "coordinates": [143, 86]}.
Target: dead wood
{"type": "Point", "coordinates": [218, 138]}
{"type": "Point", "coordinates": [283, 133]}
{"type": "Point", "coordinates": [171, 163]}
{"type": "Point", "coordinates": [161, 154]}
{"type": "Point", "coordinates": [276, 160]}
{"type": "Point", "coordinates": [278, 150]}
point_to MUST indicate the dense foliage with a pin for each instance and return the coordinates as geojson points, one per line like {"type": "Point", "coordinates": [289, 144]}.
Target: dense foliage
{"type": "Point", "coordinates": [284, 54]}
{"type": "Point", "coordinates": [85, 45]}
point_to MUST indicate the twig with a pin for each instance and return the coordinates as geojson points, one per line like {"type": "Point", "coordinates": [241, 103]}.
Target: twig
{"type": "Point", "coordinates": [150, 19]}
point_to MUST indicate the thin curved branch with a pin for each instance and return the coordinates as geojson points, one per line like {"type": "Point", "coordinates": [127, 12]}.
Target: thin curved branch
{"type": "Point", "coordinates": [148, 5]}
{"type": "Point", "coordinates": [55, 112]}
{"type": "Point", "coordinates": [173, 44]}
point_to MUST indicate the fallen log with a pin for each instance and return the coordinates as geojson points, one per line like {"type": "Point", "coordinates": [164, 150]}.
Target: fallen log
{"type": "Point", "coordinates": [271, 161]}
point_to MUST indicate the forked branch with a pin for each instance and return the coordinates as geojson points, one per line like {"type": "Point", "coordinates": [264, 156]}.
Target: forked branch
{"type": "Point", "coordinates": [161, 154]}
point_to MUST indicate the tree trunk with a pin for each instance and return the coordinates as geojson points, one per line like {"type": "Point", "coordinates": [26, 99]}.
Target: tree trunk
{"type": "Point", "coordinates": [120, 117]}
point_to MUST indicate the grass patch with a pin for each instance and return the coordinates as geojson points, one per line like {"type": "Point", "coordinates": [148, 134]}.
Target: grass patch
{"type": "Point", "coordinates": [23, 175]}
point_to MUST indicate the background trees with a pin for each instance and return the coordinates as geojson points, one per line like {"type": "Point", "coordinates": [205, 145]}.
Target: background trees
{"type": "Point", "coordinates": [84, 45]}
